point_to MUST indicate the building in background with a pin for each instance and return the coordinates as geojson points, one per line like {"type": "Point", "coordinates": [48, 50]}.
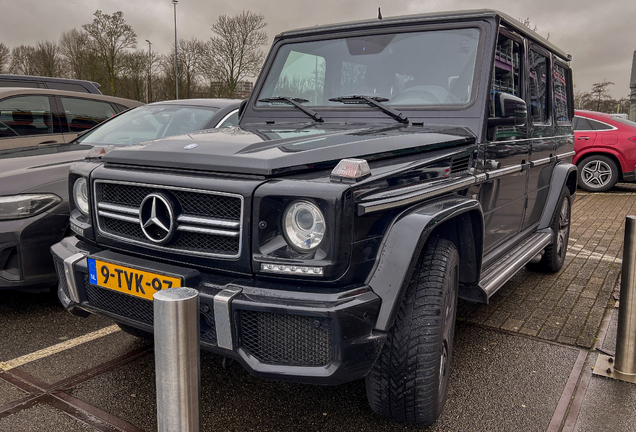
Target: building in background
{"type": "Point", "coordinates": [243, 89]}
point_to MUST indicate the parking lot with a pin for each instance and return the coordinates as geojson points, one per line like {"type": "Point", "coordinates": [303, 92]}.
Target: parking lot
{"type": "Point", "coordinates": [518, 361]}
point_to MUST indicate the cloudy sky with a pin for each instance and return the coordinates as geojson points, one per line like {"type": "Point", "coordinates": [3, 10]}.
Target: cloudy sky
{"type": "Point", "coordinates": [598, 34]}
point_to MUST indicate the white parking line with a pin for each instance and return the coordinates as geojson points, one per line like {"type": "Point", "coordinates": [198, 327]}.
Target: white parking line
{"type": "Point", "coordinates": [17, 362]}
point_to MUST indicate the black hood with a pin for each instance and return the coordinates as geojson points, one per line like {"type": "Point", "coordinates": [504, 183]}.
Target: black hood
{"type": "Point", "coordinates": [283, 149]}
{"type": "Point", "coordinates": [30, 168]}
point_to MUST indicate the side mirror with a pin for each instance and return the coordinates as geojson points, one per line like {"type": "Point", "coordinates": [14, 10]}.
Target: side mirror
{"type": "Point", "coordinates": [509, 111]}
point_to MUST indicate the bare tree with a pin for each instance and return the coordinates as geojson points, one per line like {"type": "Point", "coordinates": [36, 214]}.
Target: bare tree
{"type": "Point", "coordinates": [110, 37]}
{"type": "Point", "coordinates": [23, 60]}
{"type": "Point", "coordinates": [135, 77]}
{"type": "Point", "coordinates": [5, 57]}
{"type": "Point", "coordinates": [48, 60]}
{"type": "Point", "coordinates": [74, 47]}
{"type": "Point", "coordinates": [599, 92]}
{"type": "Point", "coordinates": [190, 66]}
{"type": "Point", "coordinates": [235, 53]}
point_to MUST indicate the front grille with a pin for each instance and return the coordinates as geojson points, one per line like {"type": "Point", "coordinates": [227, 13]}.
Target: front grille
{"type": "Point", "coordinates": [206, 223]}
{"type": "Point", "coordinates": [460, 163]}
{"type": "Point", "coordinates": [141, 310]}
{"type": "Point", "coordinates": [280, 339]}
{"type": "Point", "coordinates": [61, 277]}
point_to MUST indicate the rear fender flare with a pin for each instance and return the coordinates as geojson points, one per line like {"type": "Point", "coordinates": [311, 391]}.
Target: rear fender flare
{"type": "Point", "coordinates": [407, 236]}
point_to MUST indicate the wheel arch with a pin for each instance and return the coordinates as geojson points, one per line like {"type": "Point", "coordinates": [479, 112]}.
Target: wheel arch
{"type": "Point", "coordinates": [613, 155]}
{"type": "Point", "coordinates": [457, 219]}
{"type": "Point", "coordinates": [564, 175]}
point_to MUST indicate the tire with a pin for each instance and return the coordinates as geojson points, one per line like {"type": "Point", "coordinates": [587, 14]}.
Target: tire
{"type": "Point", "coordinates": [597, 173]}
{"type": "Point", "coordinates": [409, 380]}
{"type": "Point", "coordinates": [133, 331]}
{"type": "Point", "coordinates": [554, 255]}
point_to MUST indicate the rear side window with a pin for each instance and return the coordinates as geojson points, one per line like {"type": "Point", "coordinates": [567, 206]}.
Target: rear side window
{"type": "Point", "coordinates": [14, 83]}
{"type": "Point", "coordinates": [539, 87]}
{"type": "Point", "coordinates": [68, 87]}
{"type": "Point", "coordinates": [561, 83]}
{"type": "Point", "coordinates": [25, 115]}
{"type": "Point", "coordinates": [599, 126]}
{"type": "Point", "coordinates": [83, 114]}
{"type": "Point", "coordinates": [581, 124]}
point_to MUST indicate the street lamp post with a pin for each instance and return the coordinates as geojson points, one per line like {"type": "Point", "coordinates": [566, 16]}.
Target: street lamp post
{"type": "Point", "coordinates": [149, 71]}
{"type": "Point", "coordinates": [176, 72]}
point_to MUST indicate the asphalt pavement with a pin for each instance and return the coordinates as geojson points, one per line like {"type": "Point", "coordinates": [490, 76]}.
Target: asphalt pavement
{"type": "Point", "coordinates": [522, 363]}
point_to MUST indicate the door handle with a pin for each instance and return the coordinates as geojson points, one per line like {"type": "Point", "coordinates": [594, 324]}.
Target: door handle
{"type": "Point", "coordinates": [48, 142]}
{"type": "Point", "coordinates": [584, 138]}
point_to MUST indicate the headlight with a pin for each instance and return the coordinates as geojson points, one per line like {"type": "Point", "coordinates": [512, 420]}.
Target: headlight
{"type": "Point", "coordinates": [23, 206]}
{"type": "Point", "coordinates": [80, 195]}
{"type": "Point", "coordinates": [304, 226]}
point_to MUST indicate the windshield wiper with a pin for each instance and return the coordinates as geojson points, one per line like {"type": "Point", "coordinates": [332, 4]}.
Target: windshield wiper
{"type": "Point", "coordinates": [295, 102]}
{"type": "Point", "coordinates": [374, 101]}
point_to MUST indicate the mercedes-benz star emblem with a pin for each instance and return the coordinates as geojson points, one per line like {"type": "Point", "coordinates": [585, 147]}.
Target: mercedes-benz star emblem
{"type": "Point", "coordinates": [156, 218]}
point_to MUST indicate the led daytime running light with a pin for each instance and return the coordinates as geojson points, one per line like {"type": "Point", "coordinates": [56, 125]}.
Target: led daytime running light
{"type": "Point", "coordinates": [291, 269]}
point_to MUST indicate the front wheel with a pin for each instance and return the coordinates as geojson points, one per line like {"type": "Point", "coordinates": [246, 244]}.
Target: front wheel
{"type": "Point", "coordinates": [554, 255]}
{"type": "Point", "coordinates": [409, 380]}
{"type": "Point", "coordinates": [597, 173]}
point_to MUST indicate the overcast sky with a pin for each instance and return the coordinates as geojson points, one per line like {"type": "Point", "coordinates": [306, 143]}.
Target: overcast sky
{"type": "Point", "coordinates": [598, 34]}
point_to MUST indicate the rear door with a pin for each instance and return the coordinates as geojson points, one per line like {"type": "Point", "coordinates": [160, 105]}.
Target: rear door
{"type": "Point", "coordinates": [584, 133]}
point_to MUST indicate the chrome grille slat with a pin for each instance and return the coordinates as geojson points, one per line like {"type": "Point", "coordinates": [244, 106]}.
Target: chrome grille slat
{"type": "Point", "coordinates": [119, 208]}
{"type": "Point", "coordinates": [210, 231]}
{"type": "Point", "coordinates": [200, 220]}
{"type": "Point", "coordinates": [210, 222]}
{"type": "Point", "coordinates": [117, 216]}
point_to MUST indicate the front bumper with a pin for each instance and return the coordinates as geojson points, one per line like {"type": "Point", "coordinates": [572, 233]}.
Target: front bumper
{"type": "Point", "coordinates": [25, 261]}
{"type": "Point", "coordinates": [302, 333]}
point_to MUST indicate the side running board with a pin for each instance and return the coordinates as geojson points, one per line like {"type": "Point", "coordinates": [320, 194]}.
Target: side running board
{"type": "Point", "coordinates": [495, 276]}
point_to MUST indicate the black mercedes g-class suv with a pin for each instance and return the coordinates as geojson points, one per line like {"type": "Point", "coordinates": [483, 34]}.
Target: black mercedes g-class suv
{"type": "Point", "coordinates": [380, 170]}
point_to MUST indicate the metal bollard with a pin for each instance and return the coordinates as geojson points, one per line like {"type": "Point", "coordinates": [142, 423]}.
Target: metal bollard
{"type": "Point", "coordinates": [623, 365]}
{"type": "Point", "coordinates": [626, 333]}
{"type": "Point", "coordinates": [177, 360]}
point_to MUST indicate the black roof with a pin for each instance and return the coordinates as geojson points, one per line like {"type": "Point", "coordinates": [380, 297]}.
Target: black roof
{"type": "Point", "coordinates": [466, 15]}
{"type": "Point", "coordinates": [47, 79]}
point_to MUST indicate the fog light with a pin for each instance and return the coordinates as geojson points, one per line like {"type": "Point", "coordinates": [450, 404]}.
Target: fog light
{"type": "Point", "coordinates": [290, 269]}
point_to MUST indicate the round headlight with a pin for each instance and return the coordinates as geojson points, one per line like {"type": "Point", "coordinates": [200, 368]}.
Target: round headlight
{"type": "Point", "coordinates": [304, 226]}
{"type": "Point", "coordinates": [80, 195]}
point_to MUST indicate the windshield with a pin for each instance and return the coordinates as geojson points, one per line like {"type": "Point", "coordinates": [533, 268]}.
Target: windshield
{"type": "Point", "coordinates": [149, 122]}
{"type": "Point", "coordinates": [423, 68]}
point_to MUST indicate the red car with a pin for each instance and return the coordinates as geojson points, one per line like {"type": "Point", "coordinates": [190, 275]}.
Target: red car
{"type": "Point", "coordinates": [605, 146]}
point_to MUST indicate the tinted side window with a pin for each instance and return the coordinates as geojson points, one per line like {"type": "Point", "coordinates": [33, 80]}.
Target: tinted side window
{"type": "Point", "coordinates": [25, 115]}
{"type": "Point", "coordinates": [13, 83]}
{"type": "Point", "coordinates": [599, 126]}
{"type": "Point", "coordinates": [538, 87]}
{"type": "Point", "coordinates": [83, 114]}
{"type": "Point", "coordinates": [561, 83]}
{"type": "Point", "coordinates": [68, 87]}
{"type": "Point", "coordinates": [581, 124]}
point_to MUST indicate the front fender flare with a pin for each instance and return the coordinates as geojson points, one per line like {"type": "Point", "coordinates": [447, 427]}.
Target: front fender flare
{"type": "Point", "coordinates": [405, 240]}
{"type": "Point", "coordinates": [564, 174]}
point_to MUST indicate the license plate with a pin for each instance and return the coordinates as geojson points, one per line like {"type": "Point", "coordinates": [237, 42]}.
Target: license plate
{"type": "Point", "coordinates": [138, 283]}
